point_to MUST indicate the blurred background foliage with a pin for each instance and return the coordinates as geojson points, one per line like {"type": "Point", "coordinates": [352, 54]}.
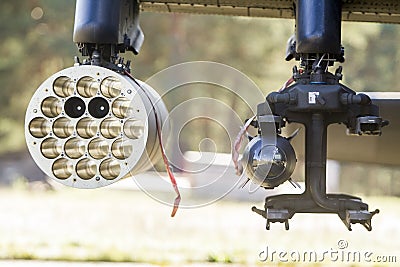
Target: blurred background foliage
{"type": "Point", "coordinates": [37, 42]}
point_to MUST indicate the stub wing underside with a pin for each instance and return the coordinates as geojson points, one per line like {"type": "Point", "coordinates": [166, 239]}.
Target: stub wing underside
{"type": "Point", "coordinates": [384, 11]}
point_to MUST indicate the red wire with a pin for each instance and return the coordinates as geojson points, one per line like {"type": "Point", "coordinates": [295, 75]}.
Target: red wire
{"type": "Point", "coordinates": [164, 156]}
{"type": "Point", "coordinates": [289, 81]}
{"type": "Point", "coordinates": [237, 144]}
{"type": "Point", "coordinates": [168, 169]}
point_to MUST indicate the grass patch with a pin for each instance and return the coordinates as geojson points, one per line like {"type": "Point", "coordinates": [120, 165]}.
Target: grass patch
{"type": "Point", "coordinates": [126, 226]}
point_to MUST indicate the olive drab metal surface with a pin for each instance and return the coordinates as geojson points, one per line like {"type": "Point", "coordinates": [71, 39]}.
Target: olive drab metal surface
{"type": "Point", "coordinates": [385, 11]}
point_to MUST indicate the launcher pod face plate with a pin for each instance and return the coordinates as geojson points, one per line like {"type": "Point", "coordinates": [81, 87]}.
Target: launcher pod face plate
{"type": "Point", "coordinates": [88, 127]}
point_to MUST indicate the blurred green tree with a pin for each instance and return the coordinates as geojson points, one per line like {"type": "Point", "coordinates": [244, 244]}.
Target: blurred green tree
{"type": "Point", "coordinates": [37, 41]}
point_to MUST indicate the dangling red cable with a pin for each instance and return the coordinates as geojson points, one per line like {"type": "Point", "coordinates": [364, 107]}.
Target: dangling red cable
{"type": "Point", "coordinates": [169, 171]}
{"type": "Point", "coordinates": [237, 144]}
{"type": "Point", "coordinates": [164, 156]}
